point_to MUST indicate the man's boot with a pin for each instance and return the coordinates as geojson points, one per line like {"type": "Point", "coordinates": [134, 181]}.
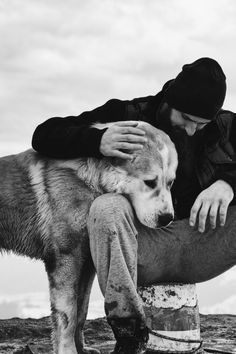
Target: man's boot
{"type": "Point", "coordinates": [131, 336]}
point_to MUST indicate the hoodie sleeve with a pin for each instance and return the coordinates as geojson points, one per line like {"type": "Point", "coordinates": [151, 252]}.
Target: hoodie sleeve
{"type": "Point", "coordinates": [228, 170]}
{"type": "Point", "coordinates": [73, 136]}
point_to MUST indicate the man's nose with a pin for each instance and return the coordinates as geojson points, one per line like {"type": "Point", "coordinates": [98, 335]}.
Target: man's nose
{"type": "Point", "coordinates": [191, 128]}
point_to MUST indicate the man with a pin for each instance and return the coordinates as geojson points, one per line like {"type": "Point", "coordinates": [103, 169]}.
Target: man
{"type": "Point", "coordinates": [193, 248]}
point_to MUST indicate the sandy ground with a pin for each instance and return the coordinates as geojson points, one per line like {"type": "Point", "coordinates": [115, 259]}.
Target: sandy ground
{"type": "Point", "coordinates": [33, 336]}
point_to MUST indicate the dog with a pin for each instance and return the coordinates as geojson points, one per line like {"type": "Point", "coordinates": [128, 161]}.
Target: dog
{"type": "Point", "coordinates": [44, 205]}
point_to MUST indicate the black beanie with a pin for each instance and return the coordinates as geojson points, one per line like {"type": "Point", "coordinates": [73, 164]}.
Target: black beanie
{"type": "Point", "coordinates": [199, 89]}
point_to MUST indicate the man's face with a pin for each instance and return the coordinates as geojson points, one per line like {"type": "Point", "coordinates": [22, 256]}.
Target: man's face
{"type": "Point", "coordinates": [187, 122]}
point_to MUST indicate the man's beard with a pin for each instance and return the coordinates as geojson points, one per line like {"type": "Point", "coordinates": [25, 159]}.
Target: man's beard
{"type": "Point", "coordinates": [174, 131]}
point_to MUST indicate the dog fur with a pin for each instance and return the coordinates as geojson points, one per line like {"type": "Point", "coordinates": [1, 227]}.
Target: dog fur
{"type": "Point", "coordinates": [44, 205]}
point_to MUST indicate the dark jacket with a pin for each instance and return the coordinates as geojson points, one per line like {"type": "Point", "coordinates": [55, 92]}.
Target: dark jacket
{"type": "Point", "coordinates": [215, 153]}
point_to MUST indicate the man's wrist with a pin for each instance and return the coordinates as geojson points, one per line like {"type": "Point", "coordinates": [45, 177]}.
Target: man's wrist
{"type": "Point", "coordinates": [226, 187]}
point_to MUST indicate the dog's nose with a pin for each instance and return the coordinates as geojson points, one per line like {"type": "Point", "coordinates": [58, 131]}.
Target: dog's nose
{"type": "Point", "coordinates": [165, 219]}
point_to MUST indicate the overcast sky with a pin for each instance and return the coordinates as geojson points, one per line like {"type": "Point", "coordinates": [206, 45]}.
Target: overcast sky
{"type": "Point", "coordinates": [59, 58]}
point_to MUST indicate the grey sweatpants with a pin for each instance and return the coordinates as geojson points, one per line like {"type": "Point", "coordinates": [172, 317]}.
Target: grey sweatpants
{"type": "Point", "coordinates": [127, 254]}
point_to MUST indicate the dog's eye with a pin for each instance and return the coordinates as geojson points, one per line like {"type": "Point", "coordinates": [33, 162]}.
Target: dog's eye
{"type": "Point", "coordinates": [151, 183]}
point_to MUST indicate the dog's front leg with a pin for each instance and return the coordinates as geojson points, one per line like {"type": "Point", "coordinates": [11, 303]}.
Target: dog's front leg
{"type": "Point", "coordinates": [63, 284]}
{"type": "Point", "coordinates": [85, 273]}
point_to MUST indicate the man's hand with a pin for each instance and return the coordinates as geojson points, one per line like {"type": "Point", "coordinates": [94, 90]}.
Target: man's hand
{"type": "Point", "coordinates": [212, 201]}
{"type": "Point", "coordinates": [122, 140]}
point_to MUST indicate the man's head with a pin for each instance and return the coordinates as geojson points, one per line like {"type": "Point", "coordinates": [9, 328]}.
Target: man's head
{"type": "Point", "coordinates": [188, 122]}
{"type": "Point", "coordinates": [196, 94]}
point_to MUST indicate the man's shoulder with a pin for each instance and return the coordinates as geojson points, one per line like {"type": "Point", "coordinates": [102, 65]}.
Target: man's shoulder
{"type": "Point", "coordinates": [226, 122]}
{"type": "Point", "coordinates": [138, 108]}
{"type": "Point", "coordinates": [137, 103]}
{"type": "Point", "coordinates": [225, 114]}
{"type": "Point", "coordinates": [134, 100]}
{"type": "Point", "coordinates": [135, 108]}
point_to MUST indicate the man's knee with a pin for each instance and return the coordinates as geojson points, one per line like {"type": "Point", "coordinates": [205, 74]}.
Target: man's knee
{"type": "Point", "coordinates": [109, 208]}
{"type": "Point", "coordinates": [111, 218]}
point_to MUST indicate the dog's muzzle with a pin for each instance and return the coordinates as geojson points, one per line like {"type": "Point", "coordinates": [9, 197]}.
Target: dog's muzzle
{"type": "Point", "coordinates": [165, 219]}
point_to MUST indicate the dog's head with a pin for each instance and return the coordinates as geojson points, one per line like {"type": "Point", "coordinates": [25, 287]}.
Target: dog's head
{"type": "Point", "coordinates": [149, 178]}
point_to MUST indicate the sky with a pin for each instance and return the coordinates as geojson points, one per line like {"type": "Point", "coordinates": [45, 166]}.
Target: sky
{"type": "Point", "coordinates": [60, 58]}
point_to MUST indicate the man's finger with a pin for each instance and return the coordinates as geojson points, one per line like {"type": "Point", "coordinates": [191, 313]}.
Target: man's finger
{"type": "Point", "coordinates": [194, 211]}
{"type": "Point", "coordinates": [127, 123]}
{"type": "Point", "coordinates": [132, 138]}
{"type": "Point", "coordinates": [203, 216]}
{"type": "Point", "coordinates": [130, 130]}
{"type": "Point", "coordinates": [128, 146]}
{"type": "Point", "coordinates": [213, 215]}
{"type": "Point", "coordinates": [223, 212]}
{"type": "Point", "coordinates": [122, 155]}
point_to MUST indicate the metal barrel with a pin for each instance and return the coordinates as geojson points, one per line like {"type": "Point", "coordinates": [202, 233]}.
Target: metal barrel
{"type": "Point", "coordinates": [172, 316]}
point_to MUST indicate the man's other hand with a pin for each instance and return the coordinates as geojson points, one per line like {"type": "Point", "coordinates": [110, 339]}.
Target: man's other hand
{"type": "Point", "coordinates": [122, 140]}
{"type": "Point", "coordinates": [211, 202]}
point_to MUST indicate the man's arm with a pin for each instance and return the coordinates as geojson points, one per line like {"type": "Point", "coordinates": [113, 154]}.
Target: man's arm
{"type": "Point", "coordinates": [228, 171]}
{"type": "Point", "coordinates": [73, 136]}
{"type": "Point", "coordinates": [215, 200]}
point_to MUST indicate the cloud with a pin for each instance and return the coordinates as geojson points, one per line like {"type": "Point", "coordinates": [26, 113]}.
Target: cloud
{"type": "Point", "coordinates": [61, 58]}
{"type": "Point", "coordinates": [12, 147]}
{"type": "Point", "coordinates": [96, 309]}
{"type": "Point", "coordinates": [36, 305]}
{"type": "Point", "coordinates": [227, 306]}
{"type": "Point", "coordinates": [33, 305]}
{"type": "Point", "coordinates": [228, 278]}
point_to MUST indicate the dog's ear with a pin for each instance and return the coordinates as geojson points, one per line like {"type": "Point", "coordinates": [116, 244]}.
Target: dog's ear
{"type": "Point", "coordinates": [140, 164]}
{"type": "Point", "coordinates": [117, 161]}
